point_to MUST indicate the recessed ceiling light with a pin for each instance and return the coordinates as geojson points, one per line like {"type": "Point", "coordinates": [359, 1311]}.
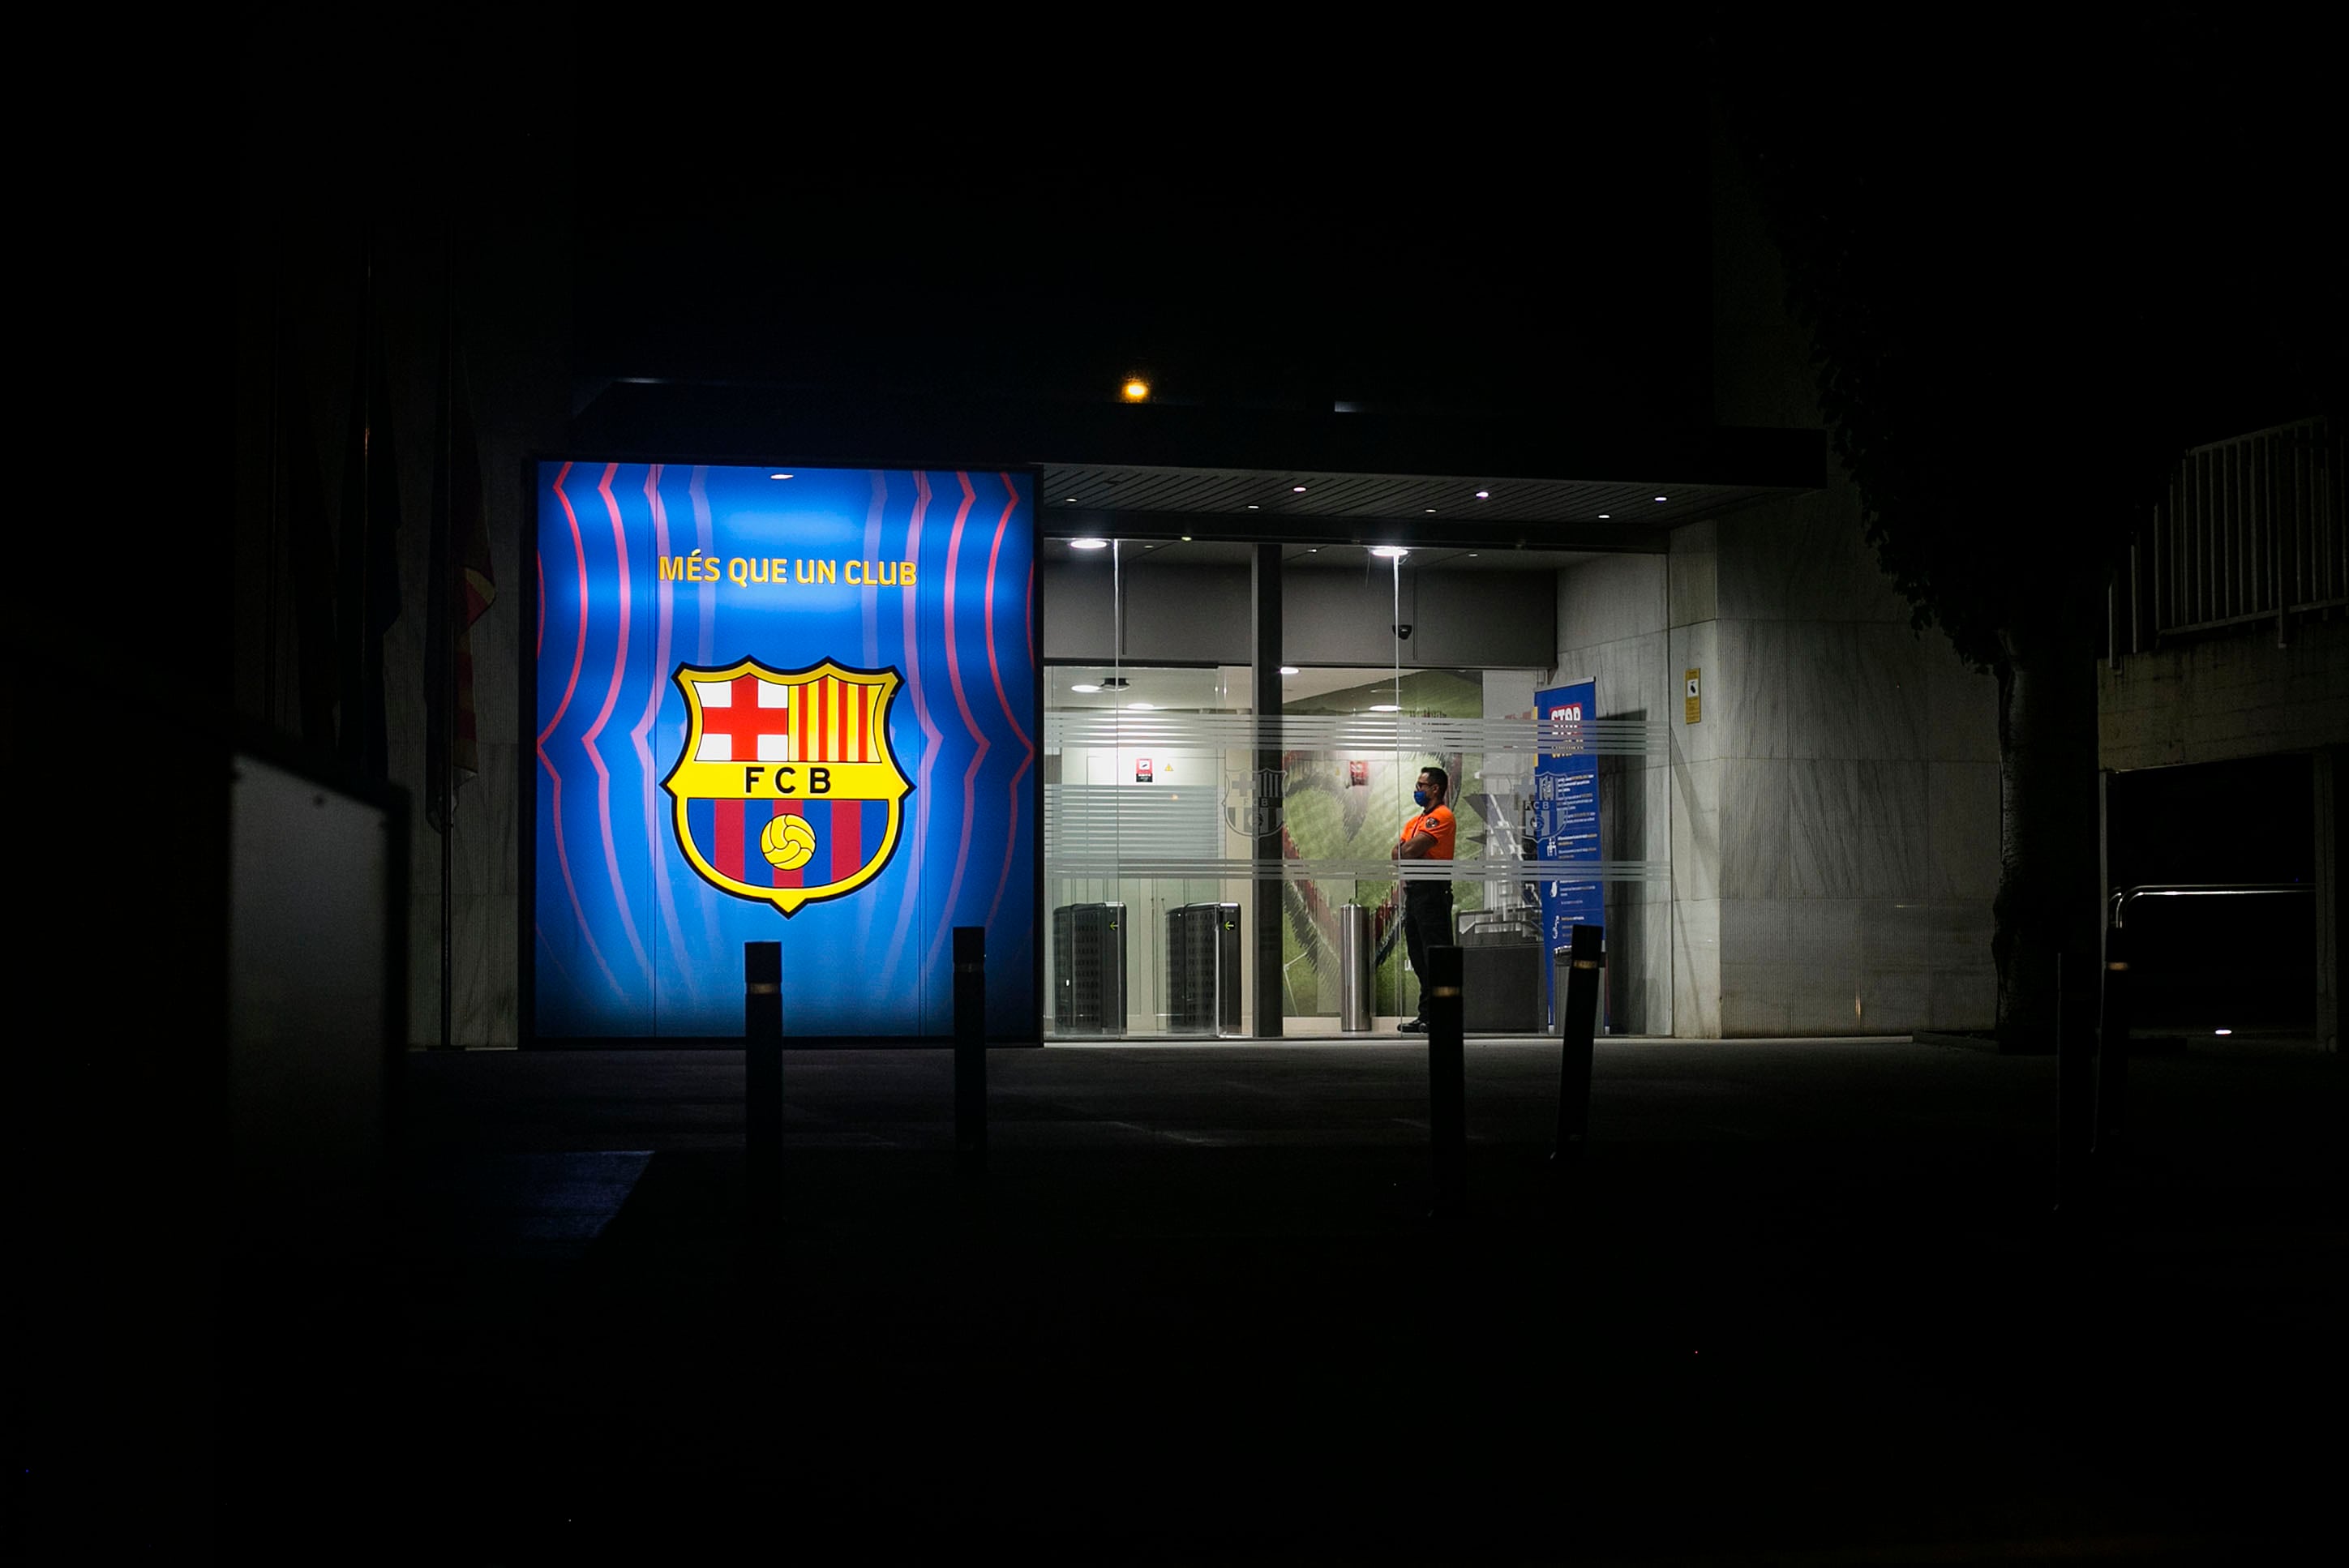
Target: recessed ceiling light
{"type": "Point", "coordinates": [1312, 549]}
{"type": "Point", "coordinates": [1483, 495]}
{"type": "Point", "coordinates": [1471, 555]}
{"type": "Point", "coordinates": [1087, 687]}
{"type": "Point", "coordinates": [1603, 516]}
{"type": "Point", "coordinates": [1136, 389]}
{"type": "Point", "coordinates": [1089, 544]}
{"type": "Point", "coordinates": [1070, 499]}
{"type": "Point", "coordinates": [1288, 669]}
{"type": "Point", "coordinates": [1390, 551]}
{"type": "Point", "coordinates": [1143, 706]}
{"type": "Point", "coordinates": [1660, 498]}
{"type": "Point", "coordinates": [2222, 1031]}
{"type": "Point", "coordinates": [779, 476]}
{"type": "Point", "coordinates": [1384, 707]}
{"type": "Point", "coordinates": [1297, 489]}
{"type": "Point", "coordinates": [1252, 506]}
{"type": "Point", "coordinates": [1431, 511]}
{"type": "Point", "coordinates": [1186, 538]}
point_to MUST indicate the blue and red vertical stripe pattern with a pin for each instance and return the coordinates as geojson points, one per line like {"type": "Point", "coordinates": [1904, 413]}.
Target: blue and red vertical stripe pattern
{"type": "Point", "coordinates": [629, 941]}
{"type": "Point", "coordinates": [847, 834]}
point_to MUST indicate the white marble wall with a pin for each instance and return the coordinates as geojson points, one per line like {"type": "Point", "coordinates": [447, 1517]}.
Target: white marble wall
{"type": "Point", "coordinates": [1835, 832]}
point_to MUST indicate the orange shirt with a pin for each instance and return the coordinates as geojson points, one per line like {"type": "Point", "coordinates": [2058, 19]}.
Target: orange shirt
{"type": "Point", "coordinates": [1436, 820]}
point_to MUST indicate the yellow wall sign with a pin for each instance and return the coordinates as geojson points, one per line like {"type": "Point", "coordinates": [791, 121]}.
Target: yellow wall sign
{"type": "Point", "coordinates": [1691, 703]}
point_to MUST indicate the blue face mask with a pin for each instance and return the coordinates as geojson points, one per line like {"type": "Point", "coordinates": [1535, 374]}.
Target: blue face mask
{"type": "Point", "coordinates": [1419, 798]}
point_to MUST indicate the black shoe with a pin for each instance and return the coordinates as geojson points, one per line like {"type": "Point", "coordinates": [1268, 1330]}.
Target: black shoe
{"type": "Point", "coordinates": [1416, 1026]}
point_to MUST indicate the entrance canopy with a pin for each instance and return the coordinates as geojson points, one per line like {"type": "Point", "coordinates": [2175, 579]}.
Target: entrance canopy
{"type": "Point", "coordinates": [1530, 482]}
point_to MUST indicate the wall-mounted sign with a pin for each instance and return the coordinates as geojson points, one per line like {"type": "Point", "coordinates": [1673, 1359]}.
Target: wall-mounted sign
{"type": "Point", "coordinates": [1693, 694]}
{"type": "Point", "coordinates": [797, 707]}
{"type": "Point", "coordinates": [1357, 774]}
{"type": "Point", "coordinates": [1565, 820]}
{"type": "Point", "coordinates": [1142, 772]}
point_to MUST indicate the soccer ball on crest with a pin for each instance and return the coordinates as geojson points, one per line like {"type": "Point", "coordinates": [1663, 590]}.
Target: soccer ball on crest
{"type": "Point", "coordinates": [787, 842]}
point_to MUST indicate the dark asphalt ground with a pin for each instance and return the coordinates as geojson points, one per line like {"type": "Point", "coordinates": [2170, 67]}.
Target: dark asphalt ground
{"type": "Point", "coordinates": [1805, 1306]}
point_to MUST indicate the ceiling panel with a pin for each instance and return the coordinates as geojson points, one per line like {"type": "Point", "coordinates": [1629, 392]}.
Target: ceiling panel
{"type": "Point", "coordinates": [1230, 553]}
{"type": "Point", "coordinates": [1262, 496]}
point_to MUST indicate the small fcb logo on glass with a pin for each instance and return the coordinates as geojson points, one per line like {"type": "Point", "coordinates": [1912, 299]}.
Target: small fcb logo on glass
{"type": "Point", "coordinates": [786, 790]}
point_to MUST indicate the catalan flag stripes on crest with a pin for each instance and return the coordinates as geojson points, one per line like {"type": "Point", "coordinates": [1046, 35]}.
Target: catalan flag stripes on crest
{"type": "Point", "coordinates": [748, 719]}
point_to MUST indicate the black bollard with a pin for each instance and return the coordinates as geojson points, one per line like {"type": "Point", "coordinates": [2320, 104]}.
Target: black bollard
{"type": "Point", "coordinates": [763, 1085]}
{"type": "Point", "coordinates": [1579, 1022]}
{"type": "Point", "coordinates": [2112, 1049]}
{"type": "Point", "coordinates": [1447, 1094]}
{"type": "Point", "coordinates": [970, 1049]}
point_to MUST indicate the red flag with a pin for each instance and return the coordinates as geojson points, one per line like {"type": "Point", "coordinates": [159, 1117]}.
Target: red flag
{"type": "Point", "coordinates": [366, 562]}
{"type": "Point", "coordinates": [461, 592]}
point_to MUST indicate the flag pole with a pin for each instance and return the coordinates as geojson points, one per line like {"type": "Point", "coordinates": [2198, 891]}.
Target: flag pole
{"type": "Point", "coordinates": [351, 542]}
{"type": "Point", "coordinates": [446, 523]}
{"type": "Point", "coordinates": [276, 482]}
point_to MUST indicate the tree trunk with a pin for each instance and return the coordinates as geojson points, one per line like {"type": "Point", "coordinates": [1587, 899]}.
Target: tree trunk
{"type": "Point", "coordinates": [2049, 898]}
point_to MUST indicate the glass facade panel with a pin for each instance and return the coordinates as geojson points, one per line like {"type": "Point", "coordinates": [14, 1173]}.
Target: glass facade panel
{"type": "Point", "coordinates": [1140, 860]}
{"type": "Point", "coordinates": [1150, 797]}
{"type": "Point", "coordinates": [1181, 809]}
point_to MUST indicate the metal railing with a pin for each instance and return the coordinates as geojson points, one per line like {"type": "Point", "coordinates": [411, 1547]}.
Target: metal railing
{"type": "Point", "coordinates": [2128, 896]}
{"type": "Point", "coordinates": [2251, 533]}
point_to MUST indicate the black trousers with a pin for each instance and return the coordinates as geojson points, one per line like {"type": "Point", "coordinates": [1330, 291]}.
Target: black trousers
{"type": "Point", "coordinates": [1426, 923]}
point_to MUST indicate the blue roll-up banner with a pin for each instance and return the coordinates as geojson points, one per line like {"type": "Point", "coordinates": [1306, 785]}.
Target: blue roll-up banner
{"type": "Point", "coordinates": [1565, 826]}
{"type": "Point", "coordinates": [782, 706]}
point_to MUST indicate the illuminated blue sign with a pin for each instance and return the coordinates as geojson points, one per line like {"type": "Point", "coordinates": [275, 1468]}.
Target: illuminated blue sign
{"type": "Point", "coordinates": [795, 706]}
{"type": "Point", "coordinates": [1566, 821]}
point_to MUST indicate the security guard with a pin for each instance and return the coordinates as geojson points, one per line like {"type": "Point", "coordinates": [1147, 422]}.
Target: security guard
{"type": "Point", "coordinates": [1426, 906]}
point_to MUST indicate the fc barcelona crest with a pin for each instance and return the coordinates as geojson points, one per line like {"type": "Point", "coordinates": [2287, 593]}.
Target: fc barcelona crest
{"type": "Point", "coordinates": [787, 790]}
{"type": "Point", "coordinates": [1252, 802]}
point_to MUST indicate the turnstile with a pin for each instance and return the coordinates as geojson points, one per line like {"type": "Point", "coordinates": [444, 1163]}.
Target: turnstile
{"type": "Point", "coordinates": [1203, 969]}
{"type": "Point", "coordinates": [1088, 968]}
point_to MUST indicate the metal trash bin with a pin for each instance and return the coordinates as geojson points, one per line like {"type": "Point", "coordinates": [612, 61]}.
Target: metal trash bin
{"type": "Point", "coordinates": [1356, 976]}
{"type": "Point", "coordinates": [1500, 971]}
{"type": "Point", "coordinates": [1559, 958]}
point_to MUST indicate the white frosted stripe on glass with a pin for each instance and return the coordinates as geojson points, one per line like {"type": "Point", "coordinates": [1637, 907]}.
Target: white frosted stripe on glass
{"type": "Point", "coordinates": [1240, 868]}
{"type": "Point", "coordinates": [1374, 732]}
{"type": "Point", "coordinates": [1111, 820]}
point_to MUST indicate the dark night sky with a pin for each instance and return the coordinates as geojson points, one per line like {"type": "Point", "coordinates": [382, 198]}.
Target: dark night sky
{"type": "Point", "coordinates": [1290, 223]}
{"type": "Point", "coordinates": [1503, 219]}
{"type": "Point", "coordinates": [1453, 218]}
